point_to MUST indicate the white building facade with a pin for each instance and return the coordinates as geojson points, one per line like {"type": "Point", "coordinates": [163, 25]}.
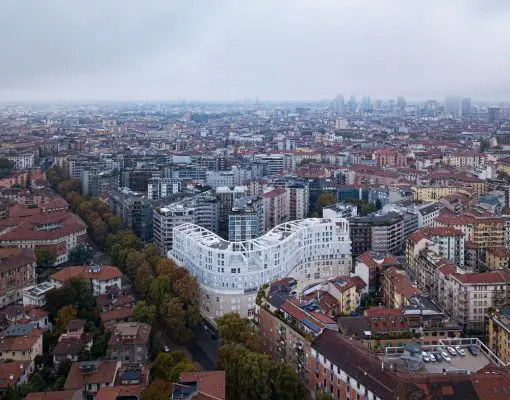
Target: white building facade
{"type": "Point", "coordinates": [230, 273]}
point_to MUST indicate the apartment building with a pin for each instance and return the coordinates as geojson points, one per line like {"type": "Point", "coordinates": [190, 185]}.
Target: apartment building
{"type": "Point", "coordinates": [276, 207]}
{"type": "Point", "coordinates": [340, 210]}
{"type": "Point", "coordinates": [427, 193]}
{"type": "Point", "coordinates": [370, 266]}
{"type": "Point", "coordinates": [246, 220]}
{"type": "Point", "coordinates": [162, 187]}
{"type": "Point", "coordinates": [481, 232]}
{"type": "Point", "coordinates": [498, 333]}
{"type": "Point", "coordinates": [21, 159]}
{"type": "Point", "coordinates": [450, 242]}
{"type": "Point", "coordinates": [497, 258]}
{"type": "Point", "coordinates": [230, 273]}
{"type": "Point", "coordinates": [59, 231]}
{"type": "Point", "coordinates": [299, 200]}
{"type": "Point", "coordinates": [390, 157]}
{"type": "Point", "coordinates": [396, 288]}
{"type": "Point", "coordinates": [202, 210]}
{"type": "Point", "coordinates": [18, 272]}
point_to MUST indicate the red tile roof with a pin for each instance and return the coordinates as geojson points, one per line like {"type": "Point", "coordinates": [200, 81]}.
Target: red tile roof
{"type": "Point", "coordinates": [117, 314]}
{"type": "Point", "coordinates": [210, 383]}
{"type": "Point", "coordinates": [65, 223]}
{"type": "Point", "coordinates": [84, 272]}
{"type": "Point", "coordinates": [11, 372]}
{"type": "Point", "coordinates": [105, 372]}
{"type": "Point", "coordinates": [60, 395]}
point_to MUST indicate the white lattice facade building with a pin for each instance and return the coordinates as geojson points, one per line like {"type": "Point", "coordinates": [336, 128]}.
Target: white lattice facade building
{"type": "Point", "coordinates": [230, 273]}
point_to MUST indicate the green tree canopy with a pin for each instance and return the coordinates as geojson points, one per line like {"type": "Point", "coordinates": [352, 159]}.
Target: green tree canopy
{"type": "Point", "coordinates": [45, 256]}
{"type": "Point", "coordinates": [80, 255]}
{"type": "Point", "coordinates": [235, 330]}
{"type": "Point", "coordinates": [145, 312]}
{"type": "Point", "coordinates": [168, 366]}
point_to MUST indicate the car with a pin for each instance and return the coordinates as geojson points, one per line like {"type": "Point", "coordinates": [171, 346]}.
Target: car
{"type": "Point", "coordinates": [460, 350]}
{"type": "Point", "coordinates": [473, 349]}
{"type": "Point", "coordinates": [432, 358]}
{"type": "Point", "coordinates": [438, 357]}
{"type": "Point", "coordinates": [167, 349]}
{"type": "Point", "coordinates": [445, 356]}
{"type": "Point", "coordinates": [425, 356]}
{"type": "Point", "coordinates": [214, 334]}
{"type": "Point", "coordinates": [452, 351]}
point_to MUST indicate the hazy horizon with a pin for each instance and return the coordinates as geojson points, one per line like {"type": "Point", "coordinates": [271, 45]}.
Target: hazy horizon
{"type": "Point", "coordinates": [287, 50]}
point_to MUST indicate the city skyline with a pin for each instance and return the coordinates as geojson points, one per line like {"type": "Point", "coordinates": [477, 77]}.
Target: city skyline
{"type": "Point", "coordinates": [286, 50]}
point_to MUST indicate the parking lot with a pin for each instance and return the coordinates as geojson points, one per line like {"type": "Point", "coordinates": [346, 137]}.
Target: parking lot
{"type": "Point", "coordinates": [468, 362]}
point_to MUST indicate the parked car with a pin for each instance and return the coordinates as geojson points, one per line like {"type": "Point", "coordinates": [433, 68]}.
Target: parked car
{"type": "Point", "coordinates": [425, 356]}
{"type": "Point", "coordinates": [473, 349]}
{"type": "Point", "coordinates": [452, 351]}
{"type": "Point", "coordinates": [432, 358]}
{"type": "Point", "coordinates": [445, 356]}
{"type": "Point", "coordinates": [167, 349]}
{"type": "Point", "coordinates": [438, 357]}
{"type": "Point", "coordinates": [460, 350]}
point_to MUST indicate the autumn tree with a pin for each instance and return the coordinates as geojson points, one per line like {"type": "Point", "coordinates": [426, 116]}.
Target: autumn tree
{"type": "Point", "coordinates": [65, 315]}
{"type": "Point", "coordinates": [134, 259]}
{"type": "Point", "coordinates": [143, 279]}
{"type": "Point", "coordinates": [176, 319]}
{"type": "Point", "coordinates": [65, 187]}
{"type": "Point", "coordinates": [324, 200]}
{"type": "Point", "coordinates": [186, 288]}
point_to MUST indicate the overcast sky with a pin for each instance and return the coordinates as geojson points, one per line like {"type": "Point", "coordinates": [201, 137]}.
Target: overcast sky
{"type": "Point", "coordinates": [271, 49]}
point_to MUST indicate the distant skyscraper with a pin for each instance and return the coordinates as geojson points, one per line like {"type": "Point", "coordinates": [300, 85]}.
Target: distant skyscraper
{"type": "Point", "coordinates": [352, 103]}
{"type": "Point", "coordinates": [367, 103]}
{"type": "Point", "coordinates": [338, 105]}
{"type": "Point", "coordinates": [391, 103]}
{"type": "Point", "coordinates": [493, 115]}
{"type": "Point", "coordinates": [465, 107]}
{"type": "Point", "coordinates": [452, 105]}
{"type": "Point", "coordinates": [401, 102]}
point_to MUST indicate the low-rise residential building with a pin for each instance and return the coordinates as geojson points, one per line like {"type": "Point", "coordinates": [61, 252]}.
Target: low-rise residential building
{"type": "Point", "coordinates": [200, 386]}
{"type": "Point", "coordinates": [130, 342]}
{"type": "Point", "coordinates": [101, 277]}
{"type": "Point", "coordinates": [340, 210]}
{"type": "Point", "coordinates": [90, 376]}
{"type": "Point", "coordinates": [59, 231]}
{"type": "Point", "coordinates": [56, 395]}
{"type": "Point", "coordinates": [110, 318]}
{"type": "Point", "coordinates": [498, 333]}
{"type": "Point", "coordinates": [35, 296]}
{"type": "Point", "coordinates": [15, 374]}
{"type": "Point", "coordinates": [17, 272]}
{"type": "Point", "coordinates": [21, 342]}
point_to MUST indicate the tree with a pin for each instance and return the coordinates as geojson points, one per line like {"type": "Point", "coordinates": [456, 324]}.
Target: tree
{"type": "Point", "coordinates": [145, 312]}
{"type": "Point", "coordinates": [81, 255]}
{"type": "Point", "coordinates": [235, 330]}
{"type": "Point", "coordinates": [75, 292]}
{"type": "Point", "coordinates": [65, 315]}
{"type": "Point", "coordinates": [168, 366]}
{"type": "Point", "coordinates": [285, 383]}
{"type": "Point", "coordinates": [156, 345]}
{"type": "Point", "coordinates": [65, 187]}
{"type": "Point", "coordinates": [324, 200]}
{"type": "Point", "coordinates": [99, 346]}
{"type": "Point", "coordinates": [45, 256]}
{"type": "Point", "coordinates": [114, 223]}
{"type": "Point", "coordinates": [134, 259]}
{"type": "Point", "coordinates": [176, 318]}
{"type": "Point", "coordinates": [152, 256]}
{"type": "Point", "coordinates": [143, 279]}
{"type": "Point", "coordinates": [5, 167]}
{"type": "Point", "coordinates": [166, 267]}
{"type": "Point", "coordinates": [159, 389]}
{"type": "Point", "coordinates": [186, 288]}
{"type": "Point", "coordinates": [160, 287]}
